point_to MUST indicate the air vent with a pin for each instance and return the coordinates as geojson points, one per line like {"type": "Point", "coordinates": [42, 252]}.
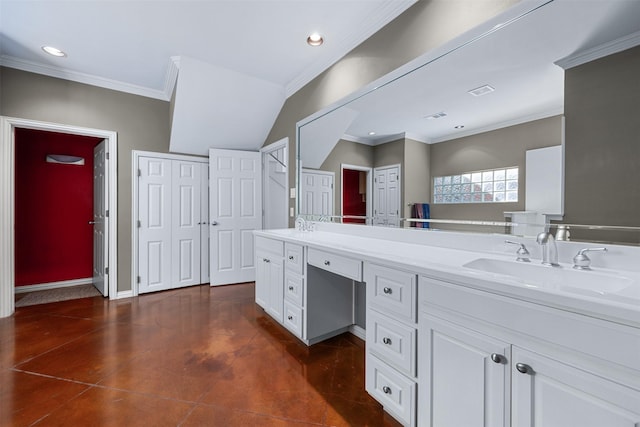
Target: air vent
{"type": "Point", "coordinates": [436, 115]}
{"type": "Point", "coordinates": [482, 90]}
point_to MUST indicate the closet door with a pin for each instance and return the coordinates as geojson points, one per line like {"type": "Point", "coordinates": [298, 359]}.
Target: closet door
{"type": "Point", "coordinates": [204, 225]}
{"type": "Point", "coordinates": [154, 241]}
{"type": "Point", "coordinates": [185, 217]}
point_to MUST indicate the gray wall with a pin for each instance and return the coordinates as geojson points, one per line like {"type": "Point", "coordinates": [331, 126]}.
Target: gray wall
{"type": "Point", "coordinates": [141, 123]}
{"type": "Point", "coordinates": [491, 150]}
{"type": "Point", "coordinates": [602, 168]}
{"type": "Point", "coordinates": [416, 174]}
{"type": "Point", "coordinates": [424, 26]}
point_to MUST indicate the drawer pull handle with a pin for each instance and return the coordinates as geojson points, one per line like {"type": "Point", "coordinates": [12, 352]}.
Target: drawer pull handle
{"type": "Point", "coordinates": [291, 288]}
{"type": "Point", "coordinates": [387, 291]}
{"type": "Point", "coordinates": [290, 317]}
{"type": "Point", "coordinates": [327, 263]}
{"type": "Point", "coordinates": [386, 340]}
{"type": "Point", "coordinates": [290, 257]}
{"type": "Point", "coordinates": [386, 390]}
{"type": "Point", "coordinates": [524, 369]}
{"type": "Point", "coordinates": [497, 358]}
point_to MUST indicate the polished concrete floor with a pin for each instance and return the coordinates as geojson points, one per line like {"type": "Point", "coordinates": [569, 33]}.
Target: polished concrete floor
{"type": "Point", "coordinates": [197, 356]}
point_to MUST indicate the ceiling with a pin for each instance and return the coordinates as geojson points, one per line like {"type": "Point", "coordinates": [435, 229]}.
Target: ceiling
{"type": "Point", "coordinates": [128, 45]}
{"type": "Point", "coordinates": [518, 61]}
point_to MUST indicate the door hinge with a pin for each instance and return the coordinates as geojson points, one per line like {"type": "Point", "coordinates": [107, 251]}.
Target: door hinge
{"type": "Point", "coordinates": [139, 223]}
{"type": "Point", "coordinates": [139, 172]}
{"type": "Point", "coordinates": [375, 180]}
{"type": "Point", "coordinates": [106, 270]}
{"type": "Point", "coordinates": [138, 279]}
{"type": "Point", "coordinates": [106, 156]}
{"type": "Point", "coordinates": [107, 213]}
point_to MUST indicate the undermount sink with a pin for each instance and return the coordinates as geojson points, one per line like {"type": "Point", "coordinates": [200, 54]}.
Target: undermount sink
{"type": "Point", "coordinates": [554, 278]}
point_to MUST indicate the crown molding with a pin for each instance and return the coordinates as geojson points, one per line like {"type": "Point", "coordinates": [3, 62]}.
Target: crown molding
{"type": "Point", "coordinates": [384, 139]}
{"type": "Point", "coordinates": [606, 49]}
{"type": "Point", "coordinates": [62, 73]}
{"type": "Point", "coordinates": [381, 17]}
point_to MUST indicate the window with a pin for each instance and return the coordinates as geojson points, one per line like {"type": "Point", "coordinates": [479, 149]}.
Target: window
{"type": "Point", "coordinates": [488, 186]}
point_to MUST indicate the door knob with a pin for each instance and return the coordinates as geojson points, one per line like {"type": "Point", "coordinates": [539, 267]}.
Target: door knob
{"type": "Point", "coordinates": [214, 223]}
{"type": "Point", "coordinates": [91, 222]}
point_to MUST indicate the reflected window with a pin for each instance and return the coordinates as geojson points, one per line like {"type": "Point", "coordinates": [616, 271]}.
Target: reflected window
{"type": "Point", "coordinates": [488, 186]}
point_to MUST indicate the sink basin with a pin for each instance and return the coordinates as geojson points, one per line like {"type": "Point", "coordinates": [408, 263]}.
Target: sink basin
{"type": "Point", "coordinates": [554, 278]}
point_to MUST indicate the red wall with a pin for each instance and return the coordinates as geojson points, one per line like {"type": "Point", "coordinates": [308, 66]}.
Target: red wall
{"type": "Point", "coordinates": [352, 200]}
{"type": "Point", "coordinates": [53, 204]}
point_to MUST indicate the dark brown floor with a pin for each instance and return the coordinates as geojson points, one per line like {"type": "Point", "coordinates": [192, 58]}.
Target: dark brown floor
{"type": "Point", "coordinates": [198, 356]}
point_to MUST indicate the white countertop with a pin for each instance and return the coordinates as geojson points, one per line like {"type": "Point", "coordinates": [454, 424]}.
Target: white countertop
{"type": "Point", "coordinates": [447, 264]}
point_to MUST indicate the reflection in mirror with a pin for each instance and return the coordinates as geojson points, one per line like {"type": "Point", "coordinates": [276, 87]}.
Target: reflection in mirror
{"type": "Point", "coordinates": [494, 103]}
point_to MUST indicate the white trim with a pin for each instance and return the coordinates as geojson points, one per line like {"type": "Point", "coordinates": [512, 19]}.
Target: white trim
{"type": "Point", "coordinates": [53, 285]}
{"type": "Point", "coordinates": [284, 142]}
{"type": "Point", "coordinates": [135, 158]}
{"type": "Point", "coordinates": [606, 49]}
{"type": "Point", "coordinates": [369, 172]}
{"type": "Point", "coordinates": [7, 201]}
{"type": "Point", "coordinates": [358, 331]}
{"type": "Point", "coordinates": [93, 80]}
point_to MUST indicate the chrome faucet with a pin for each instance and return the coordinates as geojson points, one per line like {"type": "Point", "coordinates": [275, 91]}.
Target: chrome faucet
{"type": "Point", "coordinates": [523, 253]}
{"type": "Point", "coordinates": [581, 261]}
{"type": "Point", "coordinates": [549, 248]}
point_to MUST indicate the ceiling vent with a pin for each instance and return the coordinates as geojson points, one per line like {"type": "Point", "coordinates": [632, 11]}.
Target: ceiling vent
{"type": "Point", "coordinates": [436, 115]}
{"type": "Point", "coordinates": [482, 90]}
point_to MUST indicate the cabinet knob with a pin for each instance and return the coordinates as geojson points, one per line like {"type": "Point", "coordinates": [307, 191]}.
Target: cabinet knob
{"type": "Point", "coordinates": [290, 257]}
{"type": "Point", "coordinates": [386, 389]}
{"type": "Point", "coordinates": [327, 263]}
{"type": "Point", "coordinates": [387, 291]}
{"type": "Point", "coordinates": [497, 358]}
{"type": "Point", "coordinates": [524, 369]}
{"type": "Point", "coordinates": [386, 340]}
{"type": "Point", "coordinates": [290, 317]}
{"type": "Point", "coordinates": [266, 260]}
{"type": "Point", "coordinates": [291, 288]}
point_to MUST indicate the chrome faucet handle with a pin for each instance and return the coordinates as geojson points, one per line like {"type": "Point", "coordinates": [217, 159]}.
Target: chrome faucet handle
{"type": "Point", "coordinates": [522, 252]}
{"type": "Point", "coordinates": [581, 261]}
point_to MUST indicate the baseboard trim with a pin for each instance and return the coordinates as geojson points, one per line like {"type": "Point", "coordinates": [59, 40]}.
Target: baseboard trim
{"type": "Point", "coordinates": [52, 285]}
{"type": "Point", "coordinates": [359, 332]}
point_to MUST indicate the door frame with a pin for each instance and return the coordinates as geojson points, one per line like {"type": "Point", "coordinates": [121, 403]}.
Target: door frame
{"type": "Point", "coordinates": [135, 157]}
{"type": "Point", "coordinates": [369, 172]}
{"type": "Point", "coordinates": [282, 143]}
{"type": "Point", "coordinates": [7, 199]}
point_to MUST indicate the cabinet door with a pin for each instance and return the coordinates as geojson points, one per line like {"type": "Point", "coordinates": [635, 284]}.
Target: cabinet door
{"type": "Point", "coordinates": [262, 280]}
{"type": "Point", "coordinates": [548, 393]}
{"type": "Point", "coordinates": [275, 267]}
{"type": "Point", "coordinates": [464, 377]}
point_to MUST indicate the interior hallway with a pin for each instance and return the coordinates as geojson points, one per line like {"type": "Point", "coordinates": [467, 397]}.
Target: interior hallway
{"type": "Point", "coordinates": [197, 356]}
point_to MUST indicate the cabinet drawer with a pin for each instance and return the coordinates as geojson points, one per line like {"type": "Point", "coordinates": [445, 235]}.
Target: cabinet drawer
{"type": "Point", "coordinates": [392, 292]}
{"type": "Point", "coordinates": [392, 389]}
{"type": "Point", "coordinates": [343, 266]}
{"type": "Point", "coordinates": [293, 258]}
{"type": "Point", "coordinates": [275, 247]}
{"type": "Point", "coordinates": [293, 318]}
{"type": "Point", "coordinates": [294, 288]}
{"type": "Point", "coordinates": [392, 341]}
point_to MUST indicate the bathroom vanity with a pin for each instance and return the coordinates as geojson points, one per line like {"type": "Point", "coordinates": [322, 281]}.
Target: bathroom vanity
{"type": "Point", "coordinates": [460, 334]}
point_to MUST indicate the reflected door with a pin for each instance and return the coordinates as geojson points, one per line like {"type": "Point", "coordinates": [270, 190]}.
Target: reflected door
{"type": "Point", "coordinates": [386, 196]}
{"type": "Point", "coordinates": [317, 193]}
{"type": "Point", "coordinates": [100, 224]}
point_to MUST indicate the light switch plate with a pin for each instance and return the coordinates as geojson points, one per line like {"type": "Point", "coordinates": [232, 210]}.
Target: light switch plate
{"type": "Point", "coordinates": [291, 212]}
{"type": "Point", "coordinates": [292, 193]}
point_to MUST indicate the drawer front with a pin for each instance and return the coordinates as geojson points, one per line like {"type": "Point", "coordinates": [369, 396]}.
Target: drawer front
{"type": "Point", "coordinates": [392, 292]}
{"type": "Point", "coordinates": [293, 258]}
{"type": "Point", "coordinates": [392, 341]}
{"type": "Point", "coordinates": [272, 246]}
{"type": "Point", "coordinates": [393, 390]}
{"type": "Point", "coordinates": [294, 288]}
{"type": "Point", "coordinates": [293, 318]}
{"type": "Point", "coordinates": [338, 264]}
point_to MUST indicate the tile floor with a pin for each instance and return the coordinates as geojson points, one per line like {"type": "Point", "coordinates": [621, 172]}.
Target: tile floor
{"type": "Point", "coordinates": [197, 356]}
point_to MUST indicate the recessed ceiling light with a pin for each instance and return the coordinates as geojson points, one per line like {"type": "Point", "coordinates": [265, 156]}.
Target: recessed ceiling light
{"type": "Point", "coordinates": [372, 133]}
{"type": "Point", "coordinates": [459, 127]}
{"type": "Point", "coordinates": [53, 51]}
{"type": "Point", "coordinates": [482, 90]}
{"type": "Point", "coordinates": [315, 39]}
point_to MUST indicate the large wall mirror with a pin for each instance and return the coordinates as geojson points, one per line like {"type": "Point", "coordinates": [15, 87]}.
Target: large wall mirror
{"type": "Point", "coordinates": [479, 136]}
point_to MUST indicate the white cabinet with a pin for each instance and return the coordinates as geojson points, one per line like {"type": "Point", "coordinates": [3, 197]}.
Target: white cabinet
{"type": "Point", "coordinates": [294, 289]}
{"type": "Point", "coordinates": [171, 223]}
{"type": "Point", "coordinates": [270, 276]}
{"type": "Point", "coordinates": [512, 363]}
{"type": "Point", "coordinates": [391, 340]}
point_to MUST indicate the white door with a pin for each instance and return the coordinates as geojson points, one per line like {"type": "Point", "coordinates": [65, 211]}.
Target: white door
{"type": "Point", "coordinates": [100, 224]}
{"type": "Point", "coordinates": [386, 198]}
{"type": "Point", "coordinates": [154, 232]}
{"type": "Point", "coordinates": [547, 393]}
{"type": "Point", "coordinates": [235, 211]}
{"type": "Point", "coordinates": [186, 223]}
{"type": "Point", "coordinates": [204, 225]}
{"type": "Point", "coordinates": [317, 193]}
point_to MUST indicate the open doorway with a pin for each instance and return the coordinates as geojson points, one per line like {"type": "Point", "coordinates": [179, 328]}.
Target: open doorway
{"type": "Point", "coordinates": [356, 194]}
{"type": "Point", "coordinates": [275, 182]}
{"type": "Point", "coordinates": [10, 128]}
